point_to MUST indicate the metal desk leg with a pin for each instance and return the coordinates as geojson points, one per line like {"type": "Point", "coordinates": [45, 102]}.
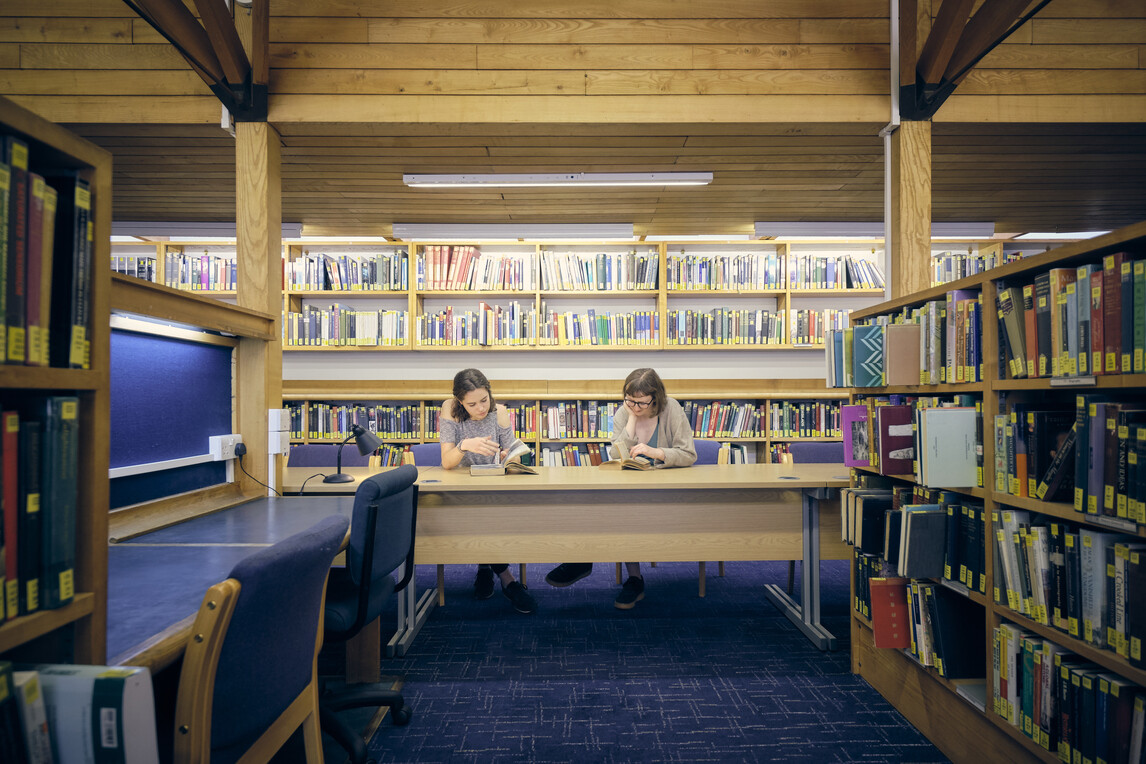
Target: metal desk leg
{"type": "Point", "coordinates": [412, 614]}
{"type": "Point", "coordinates": [806, 616]}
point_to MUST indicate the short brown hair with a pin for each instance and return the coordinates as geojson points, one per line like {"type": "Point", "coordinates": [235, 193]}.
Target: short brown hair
{"type": "Point", "coordinates": [646, 382]}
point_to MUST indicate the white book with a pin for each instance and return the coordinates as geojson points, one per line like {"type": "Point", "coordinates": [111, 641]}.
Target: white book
{"type": "Point", "coordinates": [119, 697]}
{"type": "Point", "coordinates": [33, 717]}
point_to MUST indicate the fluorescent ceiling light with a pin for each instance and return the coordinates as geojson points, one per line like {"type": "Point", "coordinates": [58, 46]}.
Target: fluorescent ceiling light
{"type": "Point", "coordinates": [510, 180]}
{"type": "Point", "coordinates": [511, 231]}
{"type": "Point", "coordinates": [190, 231]}
{"type": "Point", "coordinates": [1056, 236]}
{"type": "Point", "coordinates": [838, 231]}
{"type": "Point", "coordinates": [700, 237]}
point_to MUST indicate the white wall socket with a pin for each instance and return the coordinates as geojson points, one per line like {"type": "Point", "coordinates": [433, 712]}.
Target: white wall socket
{"type": "Point", "coordinates": [223, 446]}
{"type": "Point", "coordinates": [278, 442]}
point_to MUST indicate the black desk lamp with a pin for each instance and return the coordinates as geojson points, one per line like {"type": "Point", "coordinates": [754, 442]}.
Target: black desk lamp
{"type": "Point", "coordinates": [366, 442]}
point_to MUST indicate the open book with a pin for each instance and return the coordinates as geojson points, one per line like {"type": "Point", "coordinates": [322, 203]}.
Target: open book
{"type": "Point", "coordinates": [637, 463]}
{"type": "Point", "coordinates": [505, 466]}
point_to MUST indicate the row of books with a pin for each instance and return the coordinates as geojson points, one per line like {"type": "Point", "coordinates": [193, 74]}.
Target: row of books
{"type": "Point", "coordinates": [1069, 706]}
{"type": "Point", "coordinates": [570, 455]}
{"type": "Point", "coordinates": [917, 533]}
{"type": "Point", "coordinates": [39, 463]}
{"type": "Point", "coordinates": [598, 272]}
{"type": "Point", "coordinates": [1090, 457]}
{"type": "Point", "coordinates": [804, 419]}
{"type": "Point", "coordinates": [453, 268]}
{"type": "Point", "coordinates": [45, 262]}
{"type": "Point", "coordinates": [342, 326]}
{"type": "Point", "coordinates": [70, 713]}
{"type": "Point", "coordinates": [591, 327]}
{"type": "Point", "coordinates": [938, 342]}
{"type": "Point", "coordinates": [1071, 322]}
{"type": "Point", "coordinates": [510, 324]}
{"type": "Point", "coordinates": [718, 419]}
{"type": "Point", "coordinates": [1087, 583]}
{"type": "Point", "coordinates": [139, 266]}
{"type": "Point", "coordinates": [928, 619]}
{"type": "Point", "coordinates": [335, 420]}
{"type": "Point", "coordinates": [578, 419]}
{"type": "Point", "coordinates": [939, 442]}
{"type": "Point", "coordinates": [380, 272]}
{"type": "Point", "coordinates": [833, 272]}
{"type": "Point", "coordinates": [810, 327]}
{"type": "Point", "coordinates": [200, 273]}
{"type": "Point", "coordinates": [952, 266]}
{"type": "Point", "coordinates": [723, 271]}
{"type": "Point", "coordinates": [726, 326]}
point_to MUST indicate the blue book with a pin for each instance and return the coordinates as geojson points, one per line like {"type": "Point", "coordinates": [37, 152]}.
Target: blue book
{"type": "Point", "coordinates": [838, 351]}
{"type": "Point", "coordinates": [867, 353]}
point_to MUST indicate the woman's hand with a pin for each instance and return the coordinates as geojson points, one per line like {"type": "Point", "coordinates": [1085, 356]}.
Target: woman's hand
{"type": "Point", "coordinates": [482, 446]}
{"type": "Point", "coordinates": [647, 451]}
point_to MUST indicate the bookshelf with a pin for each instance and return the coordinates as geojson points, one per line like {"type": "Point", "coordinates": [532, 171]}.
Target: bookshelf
{"type": "Point", "coordinates": [933, 703]}
{"type": "Point", "coordinates": [570, 296]}
{"type": "Point", "coordinates": [192, 266]}
{"type": "Point", "coordinates": [75, 632]}
{"type": "Point", "coordinates": [531, 400]}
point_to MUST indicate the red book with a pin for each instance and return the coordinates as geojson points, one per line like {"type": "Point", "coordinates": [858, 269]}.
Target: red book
{"type": "Point", "coordinates": [1031, 330]}
{"type": "Point", "coordinates": [1097, 319]}
{"type": "Point", "coordinates": [890, 614]}
{"type": "Point", "coordinates": [1112, 311]}
{"type": "Point", "coordinates": [10, 470]}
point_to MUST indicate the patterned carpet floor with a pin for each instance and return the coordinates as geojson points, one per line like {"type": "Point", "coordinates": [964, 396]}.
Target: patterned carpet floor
{"type": "Point", "coordinates": [724, 678]}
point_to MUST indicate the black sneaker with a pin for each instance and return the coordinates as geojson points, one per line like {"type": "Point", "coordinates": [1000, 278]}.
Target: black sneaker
{"type": "Point", "coordinates": [483, 583]}
{"type": "Point", "coordinates": [568, 573]}
{"type": "Point", "coordinates": [522, 600]}
{"type": "Point", "coordinates": [631, 593]}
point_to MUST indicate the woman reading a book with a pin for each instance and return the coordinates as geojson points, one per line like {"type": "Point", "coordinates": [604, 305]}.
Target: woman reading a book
{"type": "Point", "coordinates": [477, 430]}
{"type": "Point", "coordinates": [650, 428]}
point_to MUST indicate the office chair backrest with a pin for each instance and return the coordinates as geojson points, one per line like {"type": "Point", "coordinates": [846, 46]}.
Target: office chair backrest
{"type": "Point", "coordinates": [260, 633]}
{"type": "Point", "coordinates": [427, 454]}
{"type": "Point", "coordinates": [817, 453]}
{"type": "Point", "coordinates": [381, 540]}
{"type": "Point", "coordinates": [325, 455]}
{"type": "Point", "coordinates": [707, 451]}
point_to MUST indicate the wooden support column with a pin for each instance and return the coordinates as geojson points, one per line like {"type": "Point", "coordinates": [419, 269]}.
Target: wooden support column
{"type": "Point", "coordinates": [910, 208]}
{"type": "Point", "coordinates": [258, 218]}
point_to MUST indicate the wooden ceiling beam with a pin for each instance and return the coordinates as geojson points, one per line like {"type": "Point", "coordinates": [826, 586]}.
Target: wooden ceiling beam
{"type": "Point", "coordinates": [172, 20]}
{"type": "Point", "coordinates": [221, 33]}
{"type": "Point", "coordinates": [982, 32]}
{"type": "Point", "coordinates": [945, 35]}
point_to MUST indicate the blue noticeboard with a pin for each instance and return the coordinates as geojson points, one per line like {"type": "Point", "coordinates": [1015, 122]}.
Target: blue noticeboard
{"type": "Point", "coordinates": [168, 396]}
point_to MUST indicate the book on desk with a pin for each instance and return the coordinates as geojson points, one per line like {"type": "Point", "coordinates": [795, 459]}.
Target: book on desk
{"type": "Point", "coordinates": [505, 466]}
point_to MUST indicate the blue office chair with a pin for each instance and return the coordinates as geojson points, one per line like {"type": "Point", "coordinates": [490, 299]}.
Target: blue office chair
{"type": "Point", "coordinates": [324, 455]}
{"type": "Point", "coordinates": [249, 677]}
{"type": "Point", "coordinates": [381, 539]}
{"type": "Point", "coordinates": [813, 453]}
{"type": "Point", "coordinates": [427, 454]}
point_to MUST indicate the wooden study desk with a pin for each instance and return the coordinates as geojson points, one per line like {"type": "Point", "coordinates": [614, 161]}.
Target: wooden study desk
{"type": "Point", "coordinates": [707, 512]}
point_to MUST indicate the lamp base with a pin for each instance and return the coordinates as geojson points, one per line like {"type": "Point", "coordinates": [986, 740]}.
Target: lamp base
{"type": "Point", "coordinates": [338, 477]}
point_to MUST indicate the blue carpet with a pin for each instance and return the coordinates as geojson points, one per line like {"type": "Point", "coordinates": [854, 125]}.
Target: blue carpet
{"type": "Point", "coordinates": [725, 678]}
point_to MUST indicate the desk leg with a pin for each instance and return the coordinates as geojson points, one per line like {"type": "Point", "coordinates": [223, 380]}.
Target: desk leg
{"type": "Point", "coordinates": [412, 614]}
{"type": "Point", "coordinates": [806, 616]}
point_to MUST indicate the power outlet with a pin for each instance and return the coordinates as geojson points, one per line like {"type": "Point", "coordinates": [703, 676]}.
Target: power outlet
{"type": "Point", "coordinates": [223, 446]}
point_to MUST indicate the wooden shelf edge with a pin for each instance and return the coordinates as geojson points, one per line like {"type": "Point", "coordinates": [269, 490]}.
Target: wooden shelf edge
{"type": "Point", "coordinates": [1105, 658]}
{"type": "Point", "coordinates": [17, 631]}
{"type": "Point", "coordinates": [131, 295]}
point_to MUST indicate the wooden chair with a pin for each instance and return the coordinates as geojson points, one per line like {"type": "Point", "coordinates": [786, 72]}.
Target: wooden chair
{"type": "Point", "coordinates": [250, 672]}
{"type": "Point", "coordinates": [381, 540]}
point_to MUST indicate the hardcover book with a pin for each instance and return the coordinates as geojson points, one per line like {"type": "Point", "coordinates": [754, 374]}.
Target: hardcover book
{"type": "Point", "coordinates": [890, 614]}
{"type": "Point", "coordinates": [947, 451]}
{"type": "Point", "coordinates": [895, 439]}
{"type": "Point", "coordinates": [855, 435]}
{"type": "Point", "coordinates": [868, 355]}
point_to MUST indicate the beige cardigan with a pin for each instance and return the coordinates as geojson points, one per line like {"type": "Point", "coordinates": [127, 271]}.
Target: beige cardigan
{"type": "Point", "coordinates": [674, 435]}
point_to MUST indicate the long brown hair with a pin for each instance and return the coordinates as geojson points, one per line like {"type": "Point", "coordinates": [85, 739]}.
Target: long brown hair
{"type": "Point", "coordinates": [646, 382]}
{"type": "Point", "coordinates": [465, 381]}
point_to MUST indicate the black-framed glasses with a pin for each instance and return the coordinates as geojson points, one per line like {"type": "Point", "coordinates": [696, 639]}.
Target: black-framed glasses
{"type": "Point", "coordinates": [638, 405]}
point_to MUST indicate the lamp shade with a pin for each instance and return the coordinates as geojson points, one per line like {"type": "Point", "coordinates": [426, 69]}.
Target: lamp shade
{"type": "Point", "coordinates": [366, 441]}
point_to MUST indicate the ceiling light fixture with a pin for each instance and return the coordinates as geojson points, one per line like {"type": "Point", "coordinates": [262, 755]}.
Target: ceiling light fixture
{"type": "Point", "coordinates": [512, 180]}
{"type": "Point", "coordinates": [511, 231]}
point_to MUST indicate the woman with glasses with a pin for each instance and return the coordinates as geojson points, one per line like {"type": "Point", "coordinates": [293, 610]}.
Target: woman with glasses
{"type": "Point", "coordinates": [652, 426]}
{"type": "Point", "coordinates": [477, 430]}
